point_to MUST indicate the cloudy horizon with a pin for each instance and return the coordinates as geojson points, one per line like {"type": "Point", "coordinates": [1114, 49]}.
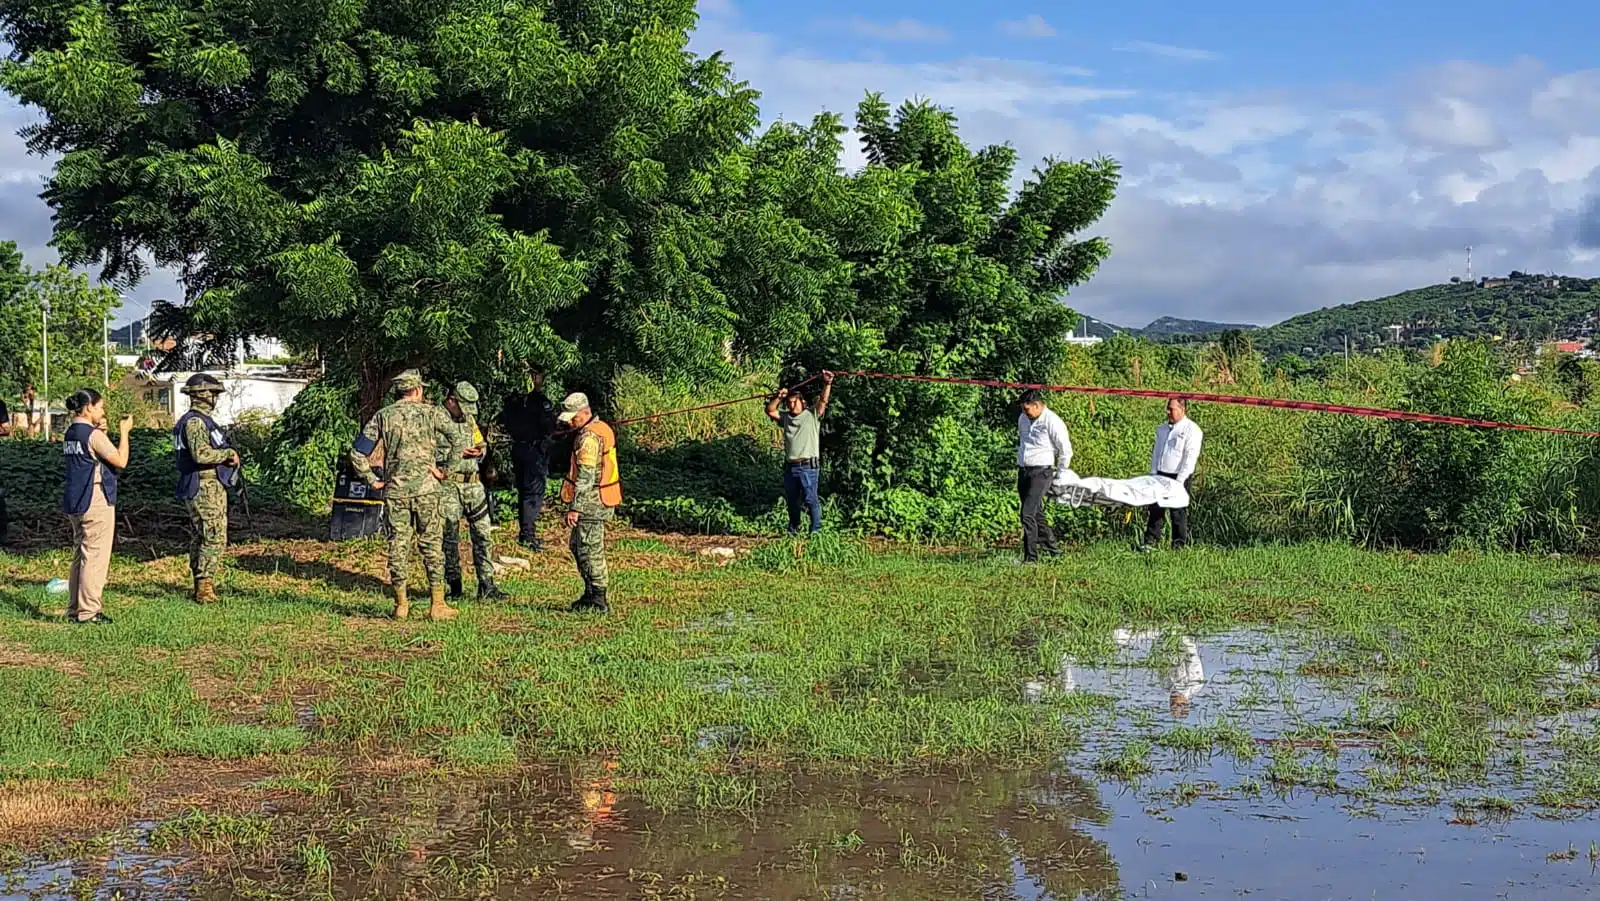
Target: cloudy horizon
{"type": "Point", "coordinates": [1263, 177]}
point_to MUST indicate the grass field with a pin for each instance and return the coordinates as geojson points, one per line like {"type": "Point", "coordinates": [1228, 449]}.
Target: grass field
{"type": "Point", "coordinates": [712, 685]}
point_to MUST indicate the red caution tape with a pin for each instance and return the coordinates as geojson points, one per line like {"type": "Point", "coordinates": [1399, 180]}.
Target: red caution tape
{"type": "Point", "coordinates": [720, 403]}
{"type": "Point", "coordinates": [1278, 403]}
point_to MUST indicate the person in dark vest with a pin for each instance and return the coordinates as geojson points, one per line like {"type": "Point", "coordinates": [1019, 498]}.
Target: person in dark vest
{"type": "Point", "coordinates": [90, 501]}
{"type": "Point", "coordinates": [530, 420]}
{"type": "Point", "coordinates": [207, 468]}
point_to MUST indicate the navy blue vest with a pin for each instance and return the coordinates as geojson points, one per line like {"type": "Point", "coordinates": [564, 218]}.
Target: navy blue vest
{"type": "Point", "coordinates": [188, 470]}
{"type": "Point", "coordinates": [80, 472]}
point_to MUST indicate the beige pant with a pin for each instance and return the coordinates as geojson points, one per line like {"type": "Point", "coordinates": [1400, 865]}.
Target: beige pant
{"type": "Point", "coordinates": [92, 534]}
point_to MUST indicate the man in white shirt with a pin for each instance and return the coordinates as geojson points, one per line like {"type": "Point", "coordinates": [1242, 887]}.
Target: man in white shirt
{"type": "Point", "coordinates": [1043, 449]}
{"type": "Point", "coordinates": [1175, 456]}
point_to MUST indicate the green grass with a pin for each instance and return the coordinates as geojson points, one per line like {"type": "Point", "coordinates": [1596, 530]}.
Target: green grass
{"type": "Point", "coordinates": [711, 685]}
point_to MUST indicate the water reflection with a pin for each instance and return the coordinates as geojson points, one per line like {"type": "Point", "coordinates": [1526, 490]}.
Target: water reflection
{"type": "Point", "coordinates": [1185, 674]}
{"type": "Point", "coordinates": [1246, 677]}
{"type": "Point", "coordinates": [990, 835]}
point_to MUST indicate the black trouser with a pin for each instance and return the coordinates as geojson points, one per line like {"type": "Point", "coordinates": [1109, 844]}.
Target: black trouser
{"type": "Point", "coordinates": [533, 471]}
{"type": "Point", "coordinates": [1180, 519]}
{"type": "Point", "coordinates": [1032, 483]}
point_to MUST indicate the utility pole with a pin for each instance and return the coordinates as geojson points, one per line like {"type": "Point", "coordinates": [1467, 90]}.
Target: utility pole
{"type": "Point", "coordinates": [1469, 263]}
{"type": "Point", "coordinates": [105, 345]}
{"type": "Point", "coordinates": [44, 338]}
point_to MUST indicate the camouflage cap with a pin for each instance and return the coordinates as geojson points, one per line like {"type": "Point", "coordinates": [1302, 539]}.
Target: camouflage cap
{"type": "Point", "coordinates": [410, 380]}
{"type": "Point", "coordinates": [466, 396]}
{"type": "Point", "coordinates": [575, 403]}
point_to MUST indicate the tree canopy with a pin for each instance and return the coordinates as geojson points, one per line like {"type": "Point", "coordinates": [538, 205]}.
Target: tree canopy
{"type": "Point", "coordinates": [463, 184]}
{"type": "Point", "coordinates": [471, 185]}
{"type": "Point", "coordinates": [78, 312]}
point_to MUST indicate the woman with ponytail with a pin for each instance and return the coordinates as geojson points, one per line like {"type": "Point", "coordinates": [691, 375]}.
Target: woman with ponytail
{"type": "Point", "coordinates": [90, 501]}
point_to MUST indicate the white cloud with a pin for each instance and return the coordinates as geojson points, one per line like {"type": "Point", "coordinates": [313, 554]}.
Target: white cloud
{"type": "Point", "coordinates": [1234, 207]}
{"type": "Point", "coordinates": [1255, 207]}
{"type": "Point", "coordinates": [1030, 26]}
{"type": "Point", "coordinates": [1169, 51]}
{"type": "Point", "coordinates": [1451, 122]}
{"type": "Point", "coordinates": [898, 30]}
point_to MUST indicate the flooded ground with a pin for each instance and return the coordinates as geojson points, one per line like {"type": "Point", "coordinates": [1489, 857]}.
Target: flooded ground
{"type": "Point", "coordinates": [1224, 766]}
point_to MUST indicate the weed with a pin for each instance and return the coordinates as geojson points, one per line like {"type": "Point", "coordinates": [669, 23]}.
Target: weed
{"type": "Point", "coordinates": [1131, 762]}
{"type": "Point", "coordinates": [232, 742]}
{"type": "Point", "coordinates": [480, 751]}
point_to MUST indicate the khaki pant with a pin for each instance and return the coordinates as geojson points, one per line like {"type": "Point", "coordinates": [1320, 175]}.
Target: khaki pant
{"type": "Point", "coordinates": [92, 534]}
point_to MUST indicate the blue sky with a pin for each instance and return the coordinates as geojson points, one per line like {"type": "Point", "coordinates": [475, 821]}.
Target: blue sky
{"type": "Point", "coordinates": [1279, 157]}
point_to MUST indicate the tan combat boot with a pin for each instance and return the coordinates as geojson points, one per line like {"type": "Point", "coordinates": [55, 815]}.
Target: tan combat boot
{"type": "Point", "coordinates": [402, 606]}
{"type": "Point", "coordinates": [204, 592]}
{"type": "Point", "coordinates": [439, 611]}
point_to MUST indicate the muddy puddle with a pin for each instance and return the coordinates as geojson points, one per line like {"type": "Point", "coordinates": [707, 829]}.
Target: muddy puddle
{"type": "Point", "coordinates": [1211, 767]}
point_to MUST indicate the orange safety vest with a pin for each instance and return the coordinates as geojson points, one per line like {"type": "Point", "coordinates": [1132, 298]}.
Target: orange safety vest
{"type": "Point", "coordinates": [610, 482]}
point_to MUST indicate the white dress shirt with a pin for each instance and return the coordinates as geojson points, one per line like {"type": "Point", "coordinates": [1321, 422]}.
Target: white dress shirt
{"type": "Point", "coordinates": [1043, 441]}
{"type": "Point", "coordinates": [1177, 449]}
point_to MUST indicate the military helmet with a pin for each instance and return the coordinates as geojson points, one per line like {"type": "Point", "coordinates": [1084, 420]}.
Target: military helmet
{"type": "Point", "coordinates": [202, 383]}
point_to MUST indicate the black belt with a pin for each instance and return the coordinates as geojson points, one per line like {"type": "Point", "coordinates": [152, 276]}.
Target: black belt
{"type": "Point", "coordinates": [808, 461]}
{"type": "Point", "coordinates": [1035, 468]}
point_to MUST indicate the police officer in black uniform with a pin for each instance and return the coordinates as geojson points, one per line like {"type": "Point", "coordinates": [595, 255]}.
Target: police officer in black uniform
{"type": "Point", "coordinates": [530, 420]}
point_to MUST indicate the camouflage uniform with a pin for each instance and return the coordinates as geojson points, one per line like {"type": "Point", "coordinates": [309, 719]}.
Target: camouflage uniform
{"type": "Point", "coordinates": [207, 467]}
{"type": "Point", "coordinates": [588, 536]}
{"type": "Point", "coordinates": [464, 497]}
{"type": "Point", "coordinates": [208, 510]}
{"type": "Point", "coordinates": [410, 433]}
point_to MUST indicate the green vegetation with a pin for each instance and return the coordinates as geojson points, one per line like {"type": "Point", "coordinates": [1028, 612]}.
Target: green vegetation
{"type": "Point", "coordinates": [715, 685]}
{"type": "Point", "coordinates": [1522, 307]}
{"type": "Point", "coordinates": [78, 312]}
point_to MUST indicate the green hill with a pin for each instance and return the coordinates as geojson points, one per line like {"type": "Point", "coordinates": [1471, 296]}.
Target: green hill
{"type": "Point", "coordinates": [1161, 329]}
{"type": "Point", "coordinates": [1171, 326]}
{"type": "Point", "coordinates": [1520, 307]}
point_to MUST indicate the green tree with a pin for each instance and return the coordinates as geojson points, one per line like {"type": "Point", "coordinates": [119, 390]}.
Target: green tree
{"type": "Point", "coordinates": [950, 274]}
{"type": "Point", "coordinates": [458, 184]}
{"type": "Point", "coordinates": [78, 311]}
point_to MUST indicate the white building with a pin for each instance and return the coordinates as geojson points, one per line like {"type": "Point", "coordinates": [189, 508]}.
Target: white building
{"type": "Point", "coordinates": [264, 391]}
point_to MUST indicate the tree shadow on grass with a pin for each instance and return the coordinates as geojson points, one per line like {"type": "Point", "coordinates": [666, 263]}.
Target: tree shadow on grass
{"type": "Point", "coordinates": [324, 574]}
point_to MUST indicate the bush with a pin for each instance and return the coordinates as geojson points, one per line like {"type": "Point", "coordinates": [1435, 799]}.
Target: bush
{"type": "Point", "coordinates": [308, 444]}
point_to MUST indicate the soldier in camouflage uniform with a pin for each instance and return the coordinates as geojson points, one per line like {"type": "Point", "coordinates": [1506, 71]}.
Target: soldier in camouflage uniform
{"type": "Point", "coordinates": [463, 496]}
{"type": "Point", "coordinates": [410, 432]}
{"type": "Point", "coordinates": [591, 491]}
{"type": "Point", "coordinates": [207, 468]}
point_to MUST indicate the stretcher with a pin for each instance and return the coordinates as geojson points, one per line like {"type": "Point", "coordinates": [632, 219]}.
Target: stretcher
{"type": "Point", "coordinates": [1141, 491]}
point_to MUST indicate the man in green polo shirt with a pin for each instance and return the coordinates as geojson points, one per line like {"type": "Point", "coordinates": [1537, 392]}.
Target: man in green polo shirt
{"type": "Point", "coordinates": [802, 450]}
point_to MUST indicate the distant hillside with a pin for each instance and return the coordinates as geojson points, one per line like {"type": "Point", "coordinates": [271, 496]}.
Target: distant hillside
{"type": "Point", "coordinates": [1090, 327]}
{"type": "Point", "coordinates": [1521, 306]}
{"type": "Point", "coordinates": [1168, 326]}
{"type": "Point", "coordinates": [1165, 327]}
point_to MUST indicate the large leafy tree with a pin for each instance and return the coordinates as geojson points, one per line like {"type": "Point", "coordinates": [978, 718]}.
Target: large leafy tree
{"type": "Point", "coordinates": [78, 312]}
{"type": "Point", "coordinates": [461, 184]}
{"type": "Point", "coordinates": [949, 272]}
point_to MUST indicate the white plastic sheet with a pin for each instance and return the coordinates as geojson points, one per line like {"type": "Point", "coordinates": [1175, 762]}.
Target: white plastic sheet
{"type": "Point", "coordinates": [1143, 491]}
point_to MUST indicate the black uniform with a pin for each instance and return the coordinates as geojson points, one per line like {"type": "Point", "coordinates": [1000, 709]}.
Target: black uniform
{"type": "Point", "coordinates": [530, 420]}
